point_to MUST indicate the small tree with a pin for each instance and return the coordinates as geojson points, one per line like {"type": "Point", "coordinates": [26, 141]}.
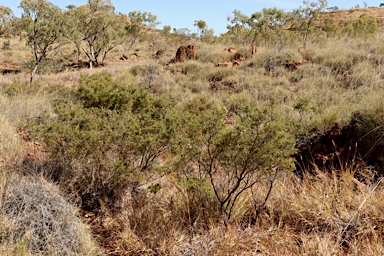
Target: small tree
{"type": "Point", "coordinates": [303, 18]}
{"type": "Point", "coordinates": [6, 20]}
{"type": "Point", "coordinates": [72, 31]}
{"type": "Point", "coordinates": [201, 27]}
{"type": "Point", "coordinates": [234, 158]}
{"type": "Point", "coordinates": [43, 24]}
{"type": "Point", "coordinates": [101, 29]}
{"type": "Point", "coordinates": [268, 25]}
{"type": "Point", "coordinates": [239, 27]}
{"type": "Point", "coordinates": [139, 24]}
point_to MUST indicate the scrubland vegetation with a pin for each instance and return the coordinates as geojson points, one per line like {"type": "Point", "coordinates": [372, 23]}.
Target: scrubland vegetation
{"type": "Point", "coordinates": [146, 156]}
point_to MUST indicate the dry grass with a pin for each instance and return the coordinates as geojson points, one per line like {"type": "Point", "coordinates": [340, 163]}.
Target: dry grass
{"type": "Point", "coordinates": [36, 219]}
{"type": "Point", "coordinates": [326, 215]}
{"type": "Point", "coordinates": [322, 215]}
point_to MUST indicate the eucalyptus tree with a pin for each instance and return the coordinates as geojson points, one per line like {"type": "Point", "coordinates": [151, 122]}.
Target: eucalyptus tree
{"type": "Point", "coordinates": [268, 25]}
{"type": "Point", "coordinates": [42, 23]}
{"type": "Point", "coordinates": [201, 27]}
{"type": "Point", "coordinates": [304, 18]}
{"type": "Point", "coordinates": [6, 20]}
{"type": "Point", "coordinates": [98, 29]}
{"type": "Point", "coordinates": [239, 27]}
{"type": "Point", "coordinates": [139, 24]}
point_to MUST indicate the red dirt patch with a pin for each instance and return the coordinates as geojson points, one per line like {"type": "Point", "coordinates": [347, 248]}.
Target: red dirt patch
{"type": "Point", "coordinates": [7, 68]}
{"type": "Point", "coordinates": [337, 149]}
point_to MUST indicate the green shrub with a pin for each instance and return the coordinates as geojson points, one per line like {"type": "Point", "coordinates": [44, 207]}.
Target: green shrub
{"type": "Point", "coordinates": [111, 141]}
{"type": "Point", "coordinates": [101, 91]}
{"type": "Point", "coordinates": [219, 74]}
{"type": "Point", "coordinates": [233, 157]}
{"type": "Point", "coordinates": [189, 67]}
{"type": "Point", "coordinates": [6, 45]}
{"type": "Point", "coordinates": [364, 25]}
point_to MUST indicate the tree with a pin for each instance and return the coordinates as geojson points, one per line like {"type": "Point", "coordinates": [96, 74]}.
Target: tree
{"type": "Point", "coordinates": [43, 23]}
{"type": "Point", "coordinates": [233, 158]}
{"type": "Point", "coordinates": [100, 28]}
{"type": "Point", "coordinates": [139, 24]}
{"type": "Point", "coordinates": [6, 20]}
{"type": "Point", "coordinates": [201, 27]}
{"type": "Point", "coordinates": [72, 31]}
{"type": "Point", "coordinates": [268, 25]}
{"type": "Point", "coordinates": [304, 17]}
{"type": "Point", "coordinates": [166, 30]}
{"type": "Point", "coordinates": [239, 27]}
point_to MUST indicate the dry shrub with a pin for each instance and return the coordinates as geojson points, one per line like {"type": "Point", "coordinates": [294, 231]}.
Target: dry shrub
{"type": "Point", "coordinates": [214, 54]}
{"type": "Point", "coordinates": [10, 143]}
{"type": "Point", "coordinates": [310, 70]}
{"type": "Point", "coordinates": [330, 205]}
{"type": "Point", "coordinates": [189, 67]}
{"type": "Point", "coordinates": [363, 74]}
{"type": "Point", "coordinates": [150, 226]}
{"type": "Point", "coordinates": [34, 213]}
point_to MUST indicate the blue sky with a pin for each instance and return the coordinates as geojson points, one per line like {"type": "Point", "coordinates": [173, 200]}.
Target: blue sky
{"type": "Point", "coordinates": [182, 14]}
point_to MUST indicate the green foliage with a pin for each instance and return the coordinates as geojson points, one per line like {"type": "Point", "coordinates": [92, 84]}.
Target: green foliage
{"type": "Point", "coordinates": [364, 25]}
{"type": "Point", "coordinates": [112, 141]}
{"type": "Point", "coordinates": [303, 18]}
{"type": "Point", "coordinates": [266, 26]}
{"type": "Point", "coordinates": [43, 23]}
{"type": "Point", "coordinates": [234, 158]}
{"type": "Point", "coordinates": [166, 30]}
{"type": "Point", "coordinates": [98, 26]}
{"type": "Point", "coordinates": [220, 74]}
{"type": "Point", "coordinates": [6, 45]}
{"type": "Point", "coordinates": [6, 21]}
{"type": "Point", "coordinates": [190, 67]}
{"type": "Point", "coordinates": [101, 91]}
{"type": "Point", "coordinates": [139, 24]}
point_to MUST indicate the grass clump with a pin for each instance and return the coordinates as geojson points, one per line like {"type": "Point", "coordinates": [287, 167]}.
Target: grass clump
{"type": "Point", "coordinates": [36, 219]}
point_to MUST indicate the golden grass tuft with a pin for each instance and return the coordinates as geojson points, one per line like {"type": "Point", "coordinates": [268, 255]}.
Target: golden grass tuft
{"type": "Point", "coordinates": [36, 219]}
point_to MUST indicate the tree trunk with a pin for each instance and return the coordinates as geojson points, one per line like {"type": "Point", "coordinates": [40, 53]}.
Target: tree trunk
{"type": "Point", "coordinates": [33, 73]}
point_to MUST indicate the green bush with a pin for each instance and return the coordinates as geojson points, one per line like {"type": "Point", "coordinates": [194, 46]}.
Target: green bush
{"type": "Point", "coordinates": [101, 91]}
{"type": "Point", "coordinates": [112, 140]}
{"type": "Point", "coordinates": [233, 157]}
{"type": "Point", "coordinates": [364, 25]}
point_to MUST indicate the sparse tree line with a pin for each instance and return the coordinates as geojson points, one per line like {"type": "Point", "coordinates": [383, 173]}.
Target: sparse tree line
{"type": "Point", "coordinates": [95, 29]}
{"type": "Point", "coordinates": [275, 26]}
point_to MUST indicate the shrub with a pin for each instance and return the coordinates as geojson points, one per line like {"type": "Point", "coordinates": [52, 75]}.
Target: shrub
{"type": "Point", "coordinates": [220, 74]}
{"type": "Point", "coordinates": [101, 91]}
{"type": "Point", "coordinates": [6, 45]}
{"type": "Point", "coordinates": [233, 158]}
{"type": "Point", "coordinates": [109, 144]}
{"type": "Point", "coordinates": [364, 25]}
{"type": "Point", "coordinates": [190, 67]}
{"type": "Point", "coordinates": [213, 55]}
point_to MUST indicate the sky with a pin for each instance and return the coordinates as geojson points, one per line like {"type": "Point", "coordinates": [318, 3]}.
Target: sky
{"type": "Point", "coordinates": [183, 14]}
